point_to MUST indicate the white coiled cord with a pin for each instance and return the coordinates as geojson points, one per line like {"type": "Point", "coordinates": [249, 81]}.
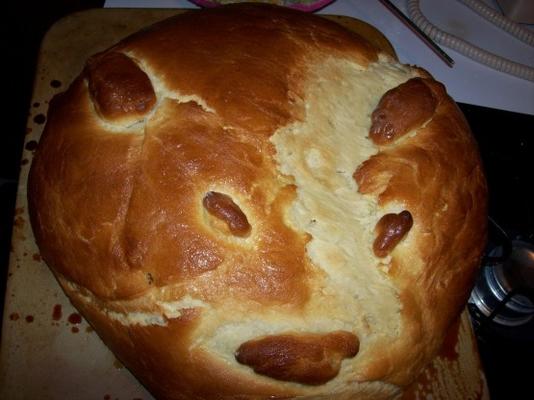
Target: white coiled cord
{"type": "Point", "coordinates": [476, 53]}
{"type": "Point", "coordinates": [499, 20]}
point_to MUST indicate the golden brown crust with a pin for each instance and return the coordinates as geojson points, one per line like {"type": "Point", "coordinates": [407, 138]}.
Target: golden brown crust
{"type": "Point", "coordinates": [92, 171]}
{"type": "Point", "coordinates": [445, 191]}
{"type": "Point", "coordinates": [168, 367]}
{"type": "Point", "coordinates": [313, 359]}
{"type": "Point", "coordinates": [176, 236]}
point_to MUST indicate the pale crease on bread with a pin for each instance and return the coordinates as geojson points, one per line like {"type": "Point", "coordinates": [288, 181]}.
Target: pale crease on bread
{"type": "Point", "coordinates": [251, 202]}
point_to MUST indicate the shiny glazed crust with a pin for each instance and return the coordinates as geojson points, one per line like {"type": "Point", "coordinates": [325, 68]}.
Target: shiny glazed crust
{"type": "Point", "coordinates": [251, 202]}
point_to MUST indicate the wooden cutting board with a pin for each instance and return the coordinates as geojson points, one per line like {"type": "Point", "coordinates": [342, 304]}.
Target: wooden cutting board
{"type": "Point", "coordinates": [48, 351]}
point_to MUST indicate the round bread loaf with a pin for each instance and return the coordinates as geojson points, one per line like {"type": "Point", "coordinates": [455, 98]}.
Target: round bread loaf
{"type": "Point", "coordinates": [251, 202]}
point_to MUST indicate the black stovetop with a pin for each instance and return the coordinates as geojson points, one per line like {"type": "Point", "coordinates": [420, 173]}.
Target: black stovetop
{"type": "Point", "coordinates": [506, 142]}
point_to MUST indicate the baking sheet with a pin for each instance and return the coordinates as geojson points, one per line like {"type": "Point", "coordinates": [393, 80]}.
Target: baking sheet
{"type": "Point", "coordinates": [48, 351]}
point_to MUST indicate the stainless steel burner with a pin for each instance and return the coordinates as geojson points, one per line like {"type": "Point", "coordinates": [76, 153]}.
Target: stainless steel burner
{"type": "Point", "coordinates": [504, 291]}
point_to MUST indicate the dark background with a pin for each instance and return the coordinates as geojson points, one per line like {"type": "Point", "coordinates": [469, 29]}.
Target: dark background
{"type": "Point", "coordinates": [22, 28]}
{"type": "Point", "coordinates": [506, 141]}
